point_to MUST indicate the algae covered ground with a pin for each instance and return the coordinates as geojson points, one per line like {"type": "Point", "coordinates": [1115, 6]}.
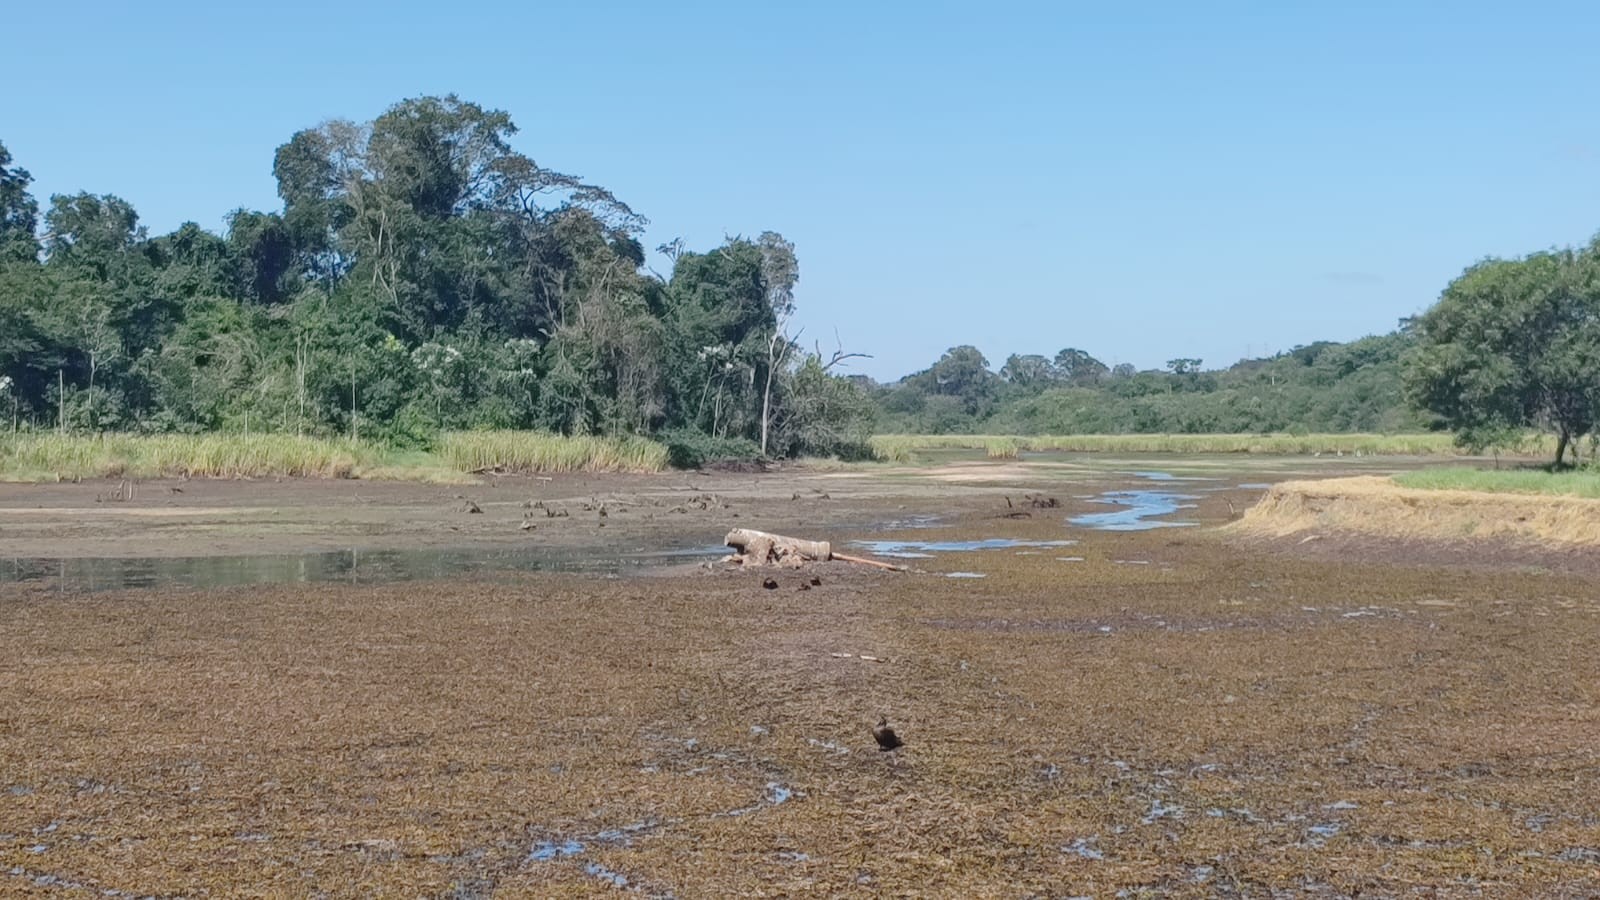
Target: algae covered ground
{"type": "Point", "coordinates": [1165, 712]}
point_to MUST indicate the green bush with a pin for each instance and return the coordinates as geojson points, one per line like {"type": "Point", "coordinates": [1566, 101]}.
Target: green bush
{"type": "Point", "coordinates": [690, 449]}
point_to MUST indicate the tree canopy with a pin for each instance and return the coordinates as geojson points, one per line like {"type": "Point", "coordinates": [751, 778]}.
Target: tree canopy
{"type": "Point", "coordinates": [1321, 387]}
{"type": "Point", "coordinates": [1514, 344]}
{"type": "Point", "coordinates": [421, 274]}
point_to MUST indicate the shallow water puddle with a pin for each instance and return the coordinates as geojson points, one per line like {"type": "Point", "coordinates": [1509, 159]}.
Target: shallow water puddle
{"type": "Point", "coordinates": [616, 878]}
{"type": "Point", "coordinates": [353, 566]}
{"type": "Point", "coordinates": [926, 549]}
{"type": "Point", "coordinates": [548, 850]}
{"type": "Point", "coordinates": [1085, 847]}
{"type": "Point", "coordinates": [1168, 476]}
{"type": "Point", "coordinates": [1141, 509]}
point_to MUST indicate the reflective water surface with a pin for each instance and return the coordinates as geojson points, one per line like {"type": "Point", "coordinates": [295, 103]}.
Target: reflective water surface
{"type": "Point", "coordinates": [354, 566]}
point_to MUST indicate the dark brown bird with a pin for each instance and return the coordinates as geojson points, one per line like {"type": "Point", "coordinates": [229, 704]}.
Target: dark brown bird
{"type": "Point", "coordinates": [885, 736]}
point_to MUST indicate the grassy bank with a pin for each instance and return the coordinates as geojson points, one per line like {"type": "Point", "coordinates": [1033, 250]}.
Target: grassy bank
{"type": "Point", "coordinates": [1582, 483]}
{"type": "Point", "coordinates": [905, 447]}
{"type": "Point", "coordinates": [53, 457]}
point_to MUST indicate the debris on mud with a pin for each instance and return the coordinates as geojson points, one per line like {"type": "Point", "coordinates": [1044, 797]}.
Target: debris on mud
{"type": "Point", "coordinates": [884, 734]}
{"type": "Point", "coordinates": [125, 491]}
{"type": "Point", "coordinates": [758, 548]}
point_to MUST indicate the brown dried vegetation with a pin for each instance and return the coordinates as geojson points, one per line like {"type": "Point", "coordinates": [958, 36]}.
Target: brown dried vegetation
{"type": "Point", "coordinates": [1215, 722]}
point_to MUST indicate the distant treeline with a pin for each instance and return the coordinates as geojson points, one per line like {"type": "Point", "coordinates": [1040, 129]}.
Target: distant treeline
{"type": "Point", "coordinates": [420, 276]}
{"type": "Point", "coordinates": [1318, 388]}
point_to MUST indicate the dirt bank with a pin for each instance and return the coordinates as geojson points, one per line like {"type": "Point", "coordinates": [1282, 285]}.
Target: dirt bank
{"type": "Point", "coordinates": [1374, 505]}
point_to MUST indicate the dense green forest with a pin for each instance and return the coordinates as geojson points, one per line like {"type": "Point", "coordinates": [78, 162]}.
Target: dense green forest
{"type": "Point", "coordinates": [1321, 387]}
{"type": "Point", "coordinates": [421, 275]}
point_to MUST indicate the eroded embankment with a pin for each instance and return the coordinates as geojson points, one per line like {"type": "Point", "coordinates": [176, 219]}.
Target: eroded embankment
{"type": "Point", "coordinates": [1371, 505]}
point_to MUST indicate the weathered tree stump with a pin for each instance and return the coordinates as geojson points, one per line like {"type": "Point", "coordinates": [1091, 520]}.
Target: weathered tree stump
{"type": "Point", "coordinates": [758, 548]}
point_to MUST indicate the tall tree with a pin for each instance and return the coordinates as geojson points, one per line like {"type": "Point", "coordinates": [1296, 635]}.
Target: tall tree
{"type": "Point", "coordinates": [1029, 371]}
{"type": "Point", "coordinates": [779, 273]}
{"type": "Point", "coordinates": [1078, 367]}
{"type": "Point", "coordinates": [961, 374]}
{"type": "Point", "coordinates": [1513, 344]}
{"type": "Point", "coordinates": [19, 213]}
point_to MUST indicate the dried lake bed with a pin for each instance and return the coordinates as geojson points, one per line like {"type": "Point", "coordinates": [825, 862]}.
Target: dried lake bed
{"type": "Point", "coordinates": [359, 689]}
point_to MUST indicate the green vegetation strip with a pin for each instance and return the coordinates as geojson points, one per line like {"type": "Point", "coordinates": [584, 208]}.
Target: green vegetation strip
{"type": "Point", "coordinates": [904, 447]}
{"type": "Point", "coordinates": [49, 457]}
{"type": "Point", "coordinates": [1581, 483]}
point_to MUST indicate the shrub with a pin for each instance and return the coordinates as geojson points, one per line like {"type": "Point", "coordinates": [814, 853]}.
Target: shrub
{"type": "Point", "coordinates": [690, 449]}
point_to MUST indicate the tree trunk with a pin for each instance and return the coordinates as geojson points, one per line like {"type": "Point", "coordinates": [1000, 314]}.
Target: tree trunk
{"type": "Point", "coordinates": [774, 363]}
{"type": "Point", "coordinates": [764, 547]}
{"type": "Point", "coordinates": [1562, 438]}
{"type": "Point", "coordinates": [766, 411]}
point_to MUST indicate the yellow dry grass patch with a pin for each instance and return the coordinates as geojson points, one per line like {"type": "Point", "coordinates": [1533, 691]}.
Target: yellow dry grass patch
{"type": "Point", "coordinates": [1376, 505]}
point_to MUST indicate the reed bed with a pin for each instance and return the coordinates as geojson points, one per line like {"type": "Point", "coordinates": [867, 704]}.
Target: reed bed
{"type": "Point", "coordinates": [41, 457]}
{"type": "Point", "coordinates": [905, 447]}
{"type": "Point", "coordinates": [57, 457]}
{"type": "Point", "coordinates": [532, 451]}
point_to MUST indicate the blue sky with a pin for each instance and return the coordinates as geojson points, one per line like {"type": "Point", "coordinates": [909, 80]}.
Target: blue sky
{"type": "Point", "coordinates": [1143, 181]}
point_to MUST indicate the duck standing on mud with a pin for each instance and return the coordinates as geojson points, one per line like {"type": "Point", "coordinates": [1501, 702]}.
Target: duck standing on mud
{"type": "Point", "coordinates": [885, 736]}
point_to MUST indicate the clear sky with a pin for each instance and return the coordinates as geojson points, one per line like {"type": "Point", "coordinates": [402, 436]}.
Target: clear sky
{"type": "Point", "coordinates": [1141, 180]}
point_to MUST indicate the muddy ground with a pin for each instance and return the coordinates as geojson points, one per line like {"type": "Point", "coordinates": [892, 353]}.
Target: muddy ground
{"type": "Point", "coordinates": [1168, 712]}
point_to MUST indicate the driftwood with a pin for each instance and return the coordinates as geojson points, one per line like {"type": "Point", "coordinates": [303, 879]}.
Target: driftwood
{"type": "Point", "coordinates": [124, 492]}
{"type": "Point", "coordinates": [862, 561]}
{"type": "Point", "coordinates": [759, 548]}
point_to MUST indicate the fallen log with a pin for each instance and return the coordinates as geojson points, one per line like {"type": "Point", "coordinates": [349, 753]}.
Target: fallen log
{"type": "Point", "coordinates": [760, 548]}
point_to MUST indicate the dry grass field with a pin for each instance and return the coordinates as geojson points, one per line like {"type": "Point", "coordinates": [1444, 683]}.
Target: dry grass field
{"type": "Point", "coordinates": [1169, 713]}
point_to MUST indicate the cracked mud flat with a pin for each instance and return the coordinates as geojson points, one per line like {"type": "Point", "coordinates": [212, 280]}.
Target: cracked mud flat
{"type": "Point", "coordinates": [1221, 720]}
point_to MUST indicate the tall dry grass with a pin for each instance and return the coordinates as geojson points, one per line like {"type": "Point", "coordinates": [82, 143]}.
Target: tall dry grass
{"type": "Point", "coordinates": [532, 451]}
{"type": "Point", "coordinates": [905, 447]}
{"type": "Point", "coordinates": [1376, 505]}
{"type": "Point", "coordinates": [36, 457]}
{"type": "Point", "coordinates": [51, 457]}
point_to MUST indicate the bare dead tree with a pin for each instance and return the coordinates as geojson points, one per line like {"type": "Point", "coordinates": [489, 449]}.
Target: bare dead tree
{"type": "Point", "coordinates": [778, 348]}
{"type": "Point", "coordinates": [839, 354]}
